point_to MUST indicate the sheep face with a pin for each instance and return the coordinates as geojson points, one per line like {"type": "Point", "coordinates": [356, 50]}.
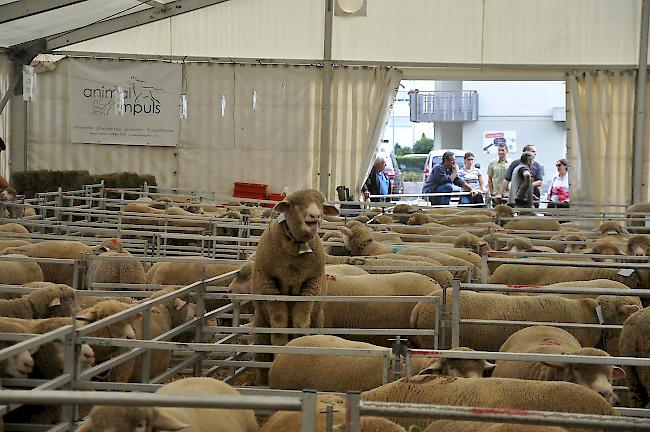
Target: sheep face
{"type": "Point", "coordinates": [354, 234]}
{"type": "Point", "coordinates": [129, 419]}
{"type": "Point", "coordinates": [595, 377]}
{"type": "Point", "coordinates": [605, 249]}
{"type": "Point", "coordinates": [503, 211]}
{"type": "Point", "coordinates": [109, 245]}
{"type": "Point", "coordinates": [611, 228]}
{"type": "Point", "coordinates": [459, 368]}
{"type": "Point", "coordinates": [18, 366]}
{"type": "Point", "coordinates": [419, 219]}
{"type": "Point", "coordinates": [8, 195]}
{"type": "Point", "coordinates": [303, 212]}
{"type": "Point", "coordinates": [639, 246]}
{"type": "Point", "coordinates": [519, 245]}
{"type": "Point", "coordinates": [473, 243]}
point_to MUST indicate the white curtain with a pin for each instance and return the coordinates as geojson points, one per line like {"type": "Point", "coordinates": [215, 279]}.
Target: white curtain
{"type": "Point", "coordinates": [248, 123]}
{"type": "Point", "coordinates": [5, 82]}
{"type": "Point", "coordinates": [361, 98]}
{"type": "Point", "coordinates": [645, 180]}
{"type": "Point", "coordinates": [601, 106]}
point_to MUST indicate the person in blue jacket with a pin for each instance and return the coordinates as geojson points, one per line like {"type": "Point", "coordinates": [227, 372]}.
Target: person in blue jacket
{"type": "Point", "coordinates": [442, 176]}
{"type": "Point", "coordinates": [378, 183]}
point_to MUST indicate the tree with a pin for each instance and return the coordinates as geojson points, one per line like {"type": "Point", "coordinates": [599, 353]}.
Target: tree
{"type": "Point", "coordinates": [401, 151]}
{"type": "Point", "coordinates": [423, 145]}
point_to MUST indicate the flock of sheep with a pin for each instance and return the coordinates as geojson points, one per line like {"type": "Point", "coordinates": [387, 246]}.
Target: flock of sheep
{"type": "Point", "coordinates": [310, 250]}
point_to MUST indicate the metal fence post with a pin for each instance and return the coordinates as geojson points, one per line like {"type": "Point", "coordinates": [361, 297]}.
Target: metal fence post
{"type": "Point", "coordinates": [198, 331]}
{"type": "Point", "coordinates": [146, 357]}
{"type": "Point", "coordinates": [455, 314]}
{"type": "Point", "coordinates": [485, 272]}
{"type": "Point", "coordinates": [352, 411]}
{"type": "Point", "coordinates": [308, 411]}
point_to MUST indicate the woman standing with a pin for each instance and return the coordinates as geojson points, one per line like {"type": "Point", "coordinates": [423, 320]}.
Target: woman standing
{"type": "Point", "coordinates": [558, 195]}
{"type": "Point", "coordinates": [473, 178]}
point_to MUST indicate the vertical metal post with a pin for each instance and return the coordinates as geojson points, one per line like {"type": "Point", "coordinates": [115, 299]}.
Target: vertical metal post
{"type": "Point", "coordinates": [408, 367]}
{"type": "Point", "coordinates": [387, 365]}
{"type": "Point", "coordinates": [324, 166]}
{"type": "Point", "coordinates": [308, 411]}
{"type": "Point", "coordinates": [352, 411]}
{"type": "Point", "coordinates": [26, 124]}
{"type": "Point", "coordinates": [145, 360]}
{"type": "Point", "coordinates": [236, 309]}
{"type": "Point", "coordinates": [437, 328]}
{"type": "Point", "coordinates": [485, 270]}
{"type": "Point", "coordinates": [329, 418]}
{"type": "Point", "coordinates": [198, 331]}
{"type": "Point", "coordinates": [71, 355]}
{"type": "Point", "coordinates": [443, 320]}
{"type": "Point", "coordinates": [455, 314]}
{"type": "Point", "coordinates": [638, 176]}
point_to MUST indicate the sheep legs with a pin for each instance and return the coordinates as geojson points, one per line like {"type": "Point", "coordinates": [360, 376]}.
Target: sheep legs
{"type": "Point", "coordinates": [278, 318]}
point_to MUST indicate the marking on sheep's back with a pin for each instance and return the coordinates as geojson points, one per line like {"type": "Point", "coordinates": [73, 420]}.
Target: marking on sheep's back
{"type": "Point", "coordinates": [330, 277]}
{"type": "Point", "coordinates": [549, 341]}
{"type": "Point", "coordinates": [500, 411]}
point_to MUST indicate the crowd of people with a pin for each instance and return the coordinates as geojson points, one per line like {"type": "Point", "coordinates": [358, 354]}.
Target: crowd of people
{"type": "Point", "coordinates": [517, 183]}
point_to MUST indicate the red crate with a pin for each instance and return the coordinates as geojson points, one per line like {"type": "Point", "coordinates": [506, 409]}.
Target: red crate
{"type": "Point", "coordinates": [274, 197]}
{"type": "Point", "coordinates": [250, 188]}
{"type": "Point", "coordinates": [249, 195]}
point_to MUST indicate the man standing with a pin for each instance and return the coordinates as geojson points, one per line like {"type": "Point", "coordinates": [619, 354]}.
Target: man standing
{"type": "Point", "coordinates": [536, 170]}
{"type": "Point", "coordinates": [378, 182]}
{"type": "Point", "coordinates": [497, 170]}
{"type": "Point", "coordinates": [521, 193]}
{"type": "Point", "coordinates": [441, 178]}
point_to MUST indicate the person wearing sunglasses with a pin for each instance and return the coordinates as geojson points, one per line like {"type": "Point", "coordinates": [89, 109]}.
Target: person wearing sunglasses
{"type": "Point", "coordinates": [474, 179]}
{"type": "Point", "coordinates": [558, 190]}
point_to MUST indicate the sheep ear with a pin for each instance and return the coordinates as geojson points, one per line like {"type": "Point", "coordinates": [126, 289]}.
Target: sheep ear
{"type": "Point", "coordinates": [86, 426]}
{"type": "Point", "coordinates": [56, 301]}
{"type": "Point", "coordinates": [346, 231]}
{"type": "Point", "coordinates": [330, 210]}
{"type": "Point", "coordinates": [554, 365]}
{"type": "Point", "coordinates": [179, 303]}
{"type": "Point", "coordinates": [628, 309]}
{"type": "Point", "coordinates": [282, 206]}
{"type": "Point", "coordinates": [89, 315]}
{"type": "Point", "coordinates": [487, 366]}
{"type": "Point", "coordinates": [167, 423]}
{"type": "Point", "coordinates": [436, 366]}
{"type": "Point", "coordinates": [618, 373]}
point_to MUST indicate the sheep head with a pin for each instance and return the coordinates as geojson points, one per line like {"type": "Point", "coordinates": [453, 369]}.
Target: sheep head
{"type": "Point", "coordinates": [503, 211]}
{"type": "Point", "coordinates": [472, 242]}
{"type": "Point", "coordinates": [354, 234]}
{"type": "Point", "coordinates": [124, 329]}
{"type": "Point", "coordinates": [605, 248]}
{"type": "Point", "coordinates": [8, 195]}
{"type": "Point", "coordinates": [128, 419]}
{"type": "Point", "coordinates": [52, 300]}
{"type": "Point", "coordinates": [108, 245]}
{"type": "Point", "coordinates": [519, 245]}
{"type": "Point", "coordinates": [382, 219]}
{"type": "Point", "coordinates": [639, 245]}
{"type": "Point", "coordinates": [573, 248]}
{"type": "Point", "coordinates": [611, 228]}
{"type": "Point", "coordinates": [461, 368]}
{"type": "Point", "coordinates": [303, 213]}
{"type": "Point", "coordinates": [19, 365]}
{"type": "Point", "coordinates": [598, 378]}
{"type": "Point", "coordinates": [420, 219]}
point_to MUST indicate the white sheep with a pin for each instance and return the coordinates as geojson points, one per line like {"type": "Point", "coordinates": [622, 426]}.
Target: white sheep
{"type": "Point", "coordinates": [124, 272]}
{"type": "Point", "coordinates": [50, 300]}
{"type": "Point", "coordinates": [634, 343]}
{"type": "Point", "coordinates": [19, 365]}
{"type": "Point", "coordinates": [131, 418]}
{"type": "Point", "coordinates": [553, 340]}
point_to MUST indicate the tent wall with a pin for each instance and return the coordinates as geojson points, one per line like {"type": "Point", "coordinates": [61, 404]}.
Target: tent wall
{"type": "Point", "coordinates": [5, 82]}
{"type": "Point", "coordinates": [522, 32]}
{"type": "Point", "coordinates": [275, 141]}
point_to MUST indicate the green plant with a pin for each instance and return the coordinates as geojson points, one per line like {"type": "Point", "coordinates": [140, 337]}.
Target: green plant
{"type": "Point", "coordinates": [401, 151]}
{"type": "Point", "coordinates": [411, 162]}
{"type": "Point", "coordinates": [412, 176]}
{"type": "Point", "coordinates": [423, 145]}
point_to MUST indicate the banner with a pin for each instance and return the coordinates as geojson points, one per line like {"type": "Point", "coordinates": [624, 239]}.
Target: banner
{"type": "Point", "coordinates": [492, 139]}
{"type": "Point", "coordinates": [114, 102]}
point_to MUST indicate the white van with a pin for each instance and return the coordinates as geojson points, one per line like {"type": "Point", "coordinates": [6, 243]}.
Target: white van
{"type": "Point", "coordinates": [435, 157]}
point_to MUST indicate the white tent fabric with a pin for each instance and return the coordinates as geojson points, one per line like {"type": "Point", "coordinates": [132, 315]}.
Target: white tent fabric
{"type": "Point", "coordinates": [5, 82]}
{"type": "Point", "coordinates": [361, 100]}
{"type": "Point", "coordinates": [275, 141]}
{"type": "Point", "coordinates": [600, 146]}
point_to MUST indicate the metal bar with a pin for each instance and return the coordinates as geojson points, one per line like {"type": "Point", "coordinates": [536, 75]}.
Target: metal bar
{"type": "Point", "coordinates": [308, 411]}
{"type": "Point", "coordinates": [638, 144]}
{"type": "Point", "coordinates": [145, 399]}
{"type": "Point", "coordinates": [538, 323]}
{"type": "Point", "coordinates": [504, 415]}
{"type": "Point", "coordinates": [320, 331]}
{"type": "Point", "coordinates": [326, 93]}
{"type": "Point", "coordinates": [525, 261]}
{"type": "Point", "coordinates": [36, 341]}
{"type": "Point", "coordinates": [352, 412]}
{"type": "Point", "coordinates": [556, 290]}
{"type": "Point", "coordinates": [455, 314]}
{"type": "Point", "coordinates": [25, 8]}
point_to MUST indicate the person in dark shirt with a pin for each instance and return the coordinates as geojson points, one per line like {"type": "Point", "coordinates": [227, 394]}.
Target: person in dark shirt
{"type": "Point", "coordinates": [378, 182]}
{"type": "Point", "coordinates": [536, 171]}
{"type": "Point", "coordinates": [442, 176]}
{"type": "Point", "coordinates": [4, 184]}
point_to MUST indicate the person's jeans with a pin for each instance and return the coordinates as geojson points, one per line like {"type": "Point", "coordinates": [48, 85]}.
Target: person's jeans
{"type": "Point", "coordinates": [441, 200]}
{"type": "Point", "coordinates": [468, 199]}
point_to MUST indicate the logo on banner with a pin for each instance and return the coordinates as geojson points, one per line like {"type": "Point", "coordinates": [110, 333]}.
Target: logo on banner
{"type": "Point", "coordinates": [139, 98]}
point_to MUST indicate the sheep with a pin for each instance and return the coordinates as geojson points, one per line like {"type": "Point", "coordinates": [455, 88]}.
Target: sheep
{"type": "Point", "coordinates": [492, 393]}
{"type": "Point", "coordinates": [638, 210]}
{"type": "Point", "coordinates": [19, 365]}
{"type": "Point", "coordinates": [123, 272]}
{"type": "Point", "coordinates": [639, 245]}
{"type": "Point", "coordinates": [351, 373]}
{"type": "Point", "coordinates": [185, 273]}
{"type": "Point", "coordinates": [150, 215]}
{"type": "Point", "coordinates": [562, 245]}
{"type": "Point", "coordinates": [502, 211]}
{"type": "Point", "coordinates": [634, 343]}
{"type": "Point", "coordinates": [130, 418]}
{"type": "Point", "coordinates": [553, 340]}
{"type": "Point", "coordinates": [382, 219]}
{"type": "Point", "coordinates": [13, 228]}
{"type": "Point", "coordinates": [462, 220]}
{"type": "Point", "coordinates": [523, 244]}
{"type": "Point", "coordinates": [50, 300]}
{"type": "Point", "coordinates": [596, 283]}
{"type": "Point", "coordinates": [474, 243]}
{"type": "Point", "coordinates": [48, 364]}
{"type": "Point", "coordinates": [533, 224]}
{"type": "Point", "coordinates": [289, 260]}
{"type": "Point", "coordinates": [58, 273]}
{"type": "Point", "coordinates": [12, 243]}
{"type": "Point", "coordinates": [124, 329]}
{"type": "Point", "coordinates": [469, 426]}
{"type": "Point", "coordinates": [20, 271]}
{"type": "Point", "coordinates": [286, 421]}
{"type": "Point", "coordinates": [535, 274]}
{"type": "Point", "coordinates": [358, 239]}
{"type": "Point", "coordinates": [541, 308]}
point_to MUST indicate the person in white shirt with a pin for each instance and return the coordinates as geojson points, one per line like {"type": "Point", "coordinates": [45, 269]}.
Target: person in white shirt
{"type": "Point", "coordinates": [558, 190]}
{"type": "Point", "coordinates": [473, 178]}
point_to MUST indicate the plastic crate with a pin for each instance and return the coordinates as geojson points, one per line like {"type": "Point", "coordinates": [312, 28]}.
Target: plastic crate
{"type": "Point", "coordinates": [250, 188]}
{"type": "Point", "coordinates": [249, 195]}
{"type": "Point", "coordinates": [274, 197]}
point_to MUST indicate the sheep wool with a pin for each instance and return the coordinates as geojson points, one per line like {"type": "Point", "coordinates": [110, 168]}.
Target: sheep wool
{"type": "Point", "coordinates": [19, 272]}
{"type": "Point", "coordinates": [634, 342]}
{"type": "Point", "coordinates": [469, 426]}
{"type": "Point", "coordinates": [489, 393]}
{"type": "Point", "coordinates": [50, 300]}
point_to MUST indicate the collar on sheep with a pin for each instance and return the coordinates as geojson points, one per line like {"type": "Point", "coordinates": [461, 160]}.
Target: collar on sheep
{"type": "Point", "coordinates": [303, 247]}
{"type": "Point", "coordinates": [364, 244]}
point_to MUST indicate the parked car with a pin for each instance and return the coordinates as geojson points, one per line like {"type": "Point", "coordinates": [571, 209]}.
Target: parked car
{"type": "Point", "coordinates": [394, 172]}
{"type": "Point", "coordinates": [435, 157]}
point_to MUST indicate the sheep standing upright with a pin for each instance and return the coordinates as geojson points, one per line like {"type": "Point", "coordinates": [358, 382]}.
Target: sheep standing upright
{"type": "Point", "coordinates": [290, 260]}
